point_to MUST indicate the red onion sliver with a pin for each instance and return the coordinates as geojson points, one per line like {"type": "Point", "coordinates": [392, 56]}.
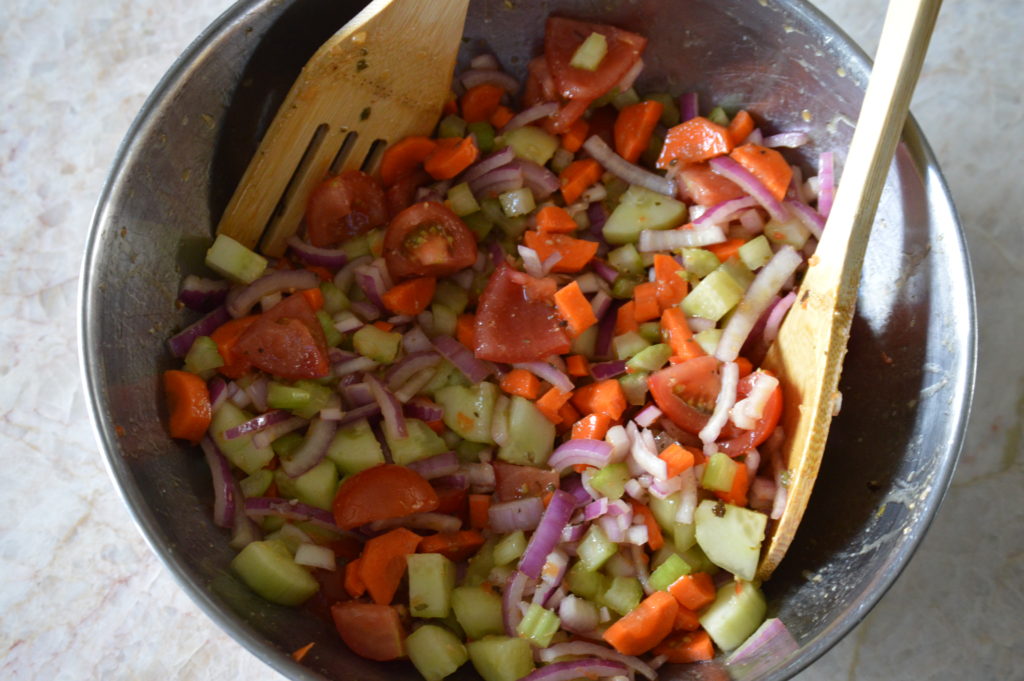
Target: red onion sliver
{"type": "Point", "coordinates": [626, 171]}
{"type": "Point", "coordinates": [257, 423]}
{"type": "Point", "coordinates": [548, 533]}
{"type": "Point", "coordinates": [527, 116]}
{"type": "Point", "coordinates": [423, 409]}
{"type": "Point", "coordinates": [181, 342]}
{"type": "Point", "coordinates": [497, 181]}
{"type": "Point", "coordinates": [492, 76]}
{"type": "Point", "coordinates": [787, 139]}
{"type": "Point", "coordinates": [630, 76]}
{"type": "Point", "coordinates": [488, 163]}
{"type": "Point", "coordinates": [413, 363]}
{"type": "Point", "coordinates": [223, 484]}
{"type": "Point", "coordinates": [218, 390]}
{"type": "Point", "coordinates": [810, 218]}
{"type": "Point", "coordinates": [484, 61]}
{"type": "Point", "coordinates": [436, 466]}
{"type": "Point", "coordinates": [688, 106]}
{"type": "Point", "coordinates": [510, 599]}
{"type": "Point", "coordinates": [266, 436]}
{"type": "Point", "coordinates": [826, 182]}
{"type": "Point", "coordinates": [390, 409]}
{"type": "Point", "coordinates": [731, 170]}
{"type": "Point", "coordinates": [354, 365]}
{"type": "Point", "coordinates": [775, 317]}
{"type": "Point", "coordinates": [611, 369]}
{"type": "Point", "coordinates": [644, 452]}
{"type": "Point", "coordinates": [372, 279]}
{"type": "Point", "coordinates": [332, 258]}
{"type": "Point", "coordinates": [541, 181]}
{"type": "Point", "coordinates": [415, 340]}
{"type": "Point", "coordinates": [459, 355]}
{"type": "Point", "coordinates": [201, 294]}
{"type": "Point", "coordinates": [240, 301]}
{"type": "Point", "coordinates": [725, 211]}
{"type": "Point", "coordinates": [546, 372]}
{"type": "Point", "coordinates": [531, 261]}
{"type": "Point", "coordinates": [289, 510]}
{"type": "Point", "coordinates": [312, 450]}
{"type": "Point", "coordinates": [770, 642]}
{"type": "Point", "coordinates": [518, 514]}
{"type": "Point", "coordinates": [647, 416]}
{"type": "Point", "coordinates": [581, 648]}
{"type": "Point", "coordinates": [584, 451]}
{"type": "Point", "coordinates": [344, 277]}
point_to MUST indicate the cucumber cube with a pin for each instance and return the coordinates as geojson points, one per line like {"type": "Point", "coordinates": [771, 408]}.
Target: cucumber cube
{"type": "Point", "coordinates": [355, 448]}
{"type": "Point", "coordinates": [435, 652]}
{"type": "Point", "coordinates": [517, 202]}
{"type": "Point", "coordinates": [532, 143]}
{"type": "Point", "coordinates": [501, 658]}
{"type": "Point", "coordinates": [203, 357]}
{"type": "Point", "coordinates": [651, 358]}
{"type": "Point", "coordinates": [431, 580]}
{"type": "Point", "coordinates": [240, 451]}
{"type": "Point", "coordinates": [484, 133]}
{"type": "Point", "coordinates": [589, 54]}
{"type": "Point", "coordinates": [640, 209]}
{"type": "Point", "coordinates": [268, 568]}
{"type": "Point", "coordinates": [468, 411]}
{"type": "Point", "coordinates": [588, 584]}
{"type": "Point", "coordinates": [461, 200]}
{"type": "Point", "coordinates": [234, 261]}
{"type": "Point", "coordinates": [628, 344]}
{"type": "Point", "coordinates": [731, 536]}
{"type": "Point", "coordinates": [335, 299]}
{"type": "Point", "coordinates": [715, 295]}
{"type": "Point", "coordinates": [623, 595]}
{"type": "Point", "coordinates": [735, 614]}
{"type": "Point", "coordinates": [420, 442]}
{"type": "Point", "coordinates": [381, 346]}
{"type": "Point", "coordinates": [510, 547]}
{"type": "Point", "coordinates": [531, 436]}
{"type": "Point", "coordinates": [756, 253]}
{"type": "Point", "coordinates": [481, 564]}
{"type": "Point", "coordinates": [478, 611]}
{"type": "Point", "coordinates": [452, 296]}
{"type": "Point", "coordinates": [611, 480]}
{"type": "Point", "coordinates": [664, 510]}
{"type": "Point", "coordinates": [256, 484]}
{"type": "Point", "coordinates": [595, 549]}
{"type": "Point", "coordinates": [668, 572]}
{"type": "Point", "coordinates": [708, 340]}
{"type": "Point", "coordinates": [684, 536]}
{"type": "Point", "coordinates": [719, 473]}
{"type": "Point", "coordinates": [626, 259]}
{"type": "Point", "coordinates": [700, 262]}
{"type": "Point", "coordinates": [316, 487]}
{"type": "Point", "coordinates": [634, 387]}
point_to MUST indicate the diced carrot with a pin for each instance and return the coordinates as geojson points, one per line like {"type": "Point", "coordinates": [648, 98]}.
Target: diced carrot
{"type": "Point", "coordinates": [654, 538]}
{"type": "Point", "coordinates": [744, 365]}
{"type": "Point", "coordinates": [727, 249]}
{"type": "Point", "coordinates": [578, 177]}
{"type": "Point", "coordinates": [437, 426]}
{"type": "Point", "coordinates": [591, 427]}
{"type": "Point", "coordinates": [645, 626]}
{"type": "Point", "coordinates": [226, 337]}
{"type": "Point", "coordinates": [634, 126]}
{"type": "Point", "coordinates": [410, 297]}
{"type": "Point", "coordinates": [575, 136]}
{"type": "Point", "coordinates": [686, 620]}
{"type": "Point", "coordinates": [677, 459]}
{"type": "Point", "coordinates": [625, 319]}
{"type": "Point", "coordinates": [737, 495]}
{"type": "Point", "coordinates": [383, 325]}
{"type": "Point", "coordinates": [678, 335]}
{"type": "Point", "coordinates": [603, 397]}
{"type": "Point", "coordinates": [645, 298]}
{"type": "Point", "coordinates": [479, 510]}
{"type": "Point", "coordinates": [576, 253]}
{"type": "Point", "coordinates": [575, 309]}
{"type": "Point", "coordinates": [189, 403]}
{"type": "Point", "coordinates": [354, 585]}
{"type": "Point", "coordinates": [577, 365]}
{"type": "Point", "coordinates": [403, 157]}
{"type": "Point", "coordinates": [694, 591]}
{"type": "Point", "coordinates": [465, 330]}
{"type": "Point", "coordinates": [501, 116]}
{"type": "Point", "coordinates": [451, 157]}
{"type": "Point", "coordinates": [568, 416]}
{"type": "Point", "coordinates": [555, 219]}
{"type": "Point", "coordinates": [692, 646]}
{"type": "Point", "coordinates": [551, 402]}
{"type": "Point", "coordinates": [692, 141]}
{"type": "Point", "coordinates": [767, 165]}
{"type": "Point", "coordinates": [740, 127]}
{"type": "Point", "coordinates": [671, 280]}
{"type": "Point", "coordinates": [301, 653]}
{"type": "Point", "coordinates": [382, 564]}
{"type": "Point", "coordinates": [521, 382]}
{"type": "Point", "coordinates": [480, 102]}
{"type": "Point", "coordinates": [456, 546]}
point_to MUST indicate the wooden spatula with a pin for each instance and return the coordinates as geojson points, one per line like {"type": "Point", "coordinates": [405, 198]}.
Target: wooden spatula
{"type": "Point", "coordinates": [808, 353]}
{"type": "Point", "coordinates": [385, 75]}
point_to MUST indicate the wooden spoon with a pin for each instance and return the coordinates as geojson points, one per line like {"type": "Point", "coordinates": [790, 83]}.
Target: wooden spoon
{"type": "Point", "coordinates": [385, 75]}
{"type": "Point", "coordinates": [808, 353]}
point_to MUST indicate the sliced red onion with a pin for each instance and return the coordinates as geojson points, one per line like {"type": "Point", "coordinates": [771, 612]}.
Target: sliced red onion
{"type": "Point", "coordinates": [415, 340]}
{"type": "Point", "coordinates": [755, 137]}
{"type": "Point", "coordinates": [201, 294]}
{"type": "Point", "coordinates": [181, 342]}
{"type": "Point", "coordinates": [267, 302]}
{"type": "Point", "coordinates": [549, 263]}
{"type": "Point", "coordinates": [423, 409]}
{"type": "Point", "coordinates": [484, 61]}
{"type": "Point", "coordinates": [551, 575]}
{"type": "Point", "coordinates": [601, 303]}
{"type": "Point", "coordinates": [238, 396]}
{"type": "Point", "coordinates": [584, 648]}
{"type": "Point", "coordinates": [413, 363]}
{"type": "Point", "coordinates": [647, 416]}
{"type": "Point", "coordinates": [313, 448]}
{"type": "Point", "coordinates": [357, 394]}
{"type": "Point", "coordinates": [605, 332]}
{"type": "Point", "coordinates": [794, 192]}
{"type": "Point", "coordinates": [731, 170]}
{"type": "Point", "coordinates": [474, 77]}
{"type": "Point", "coordinates": [372, 280]}
{"type": "Point", "coordinates": [481, 477]}
{"type": "Point", "coordinates": [768, 282]}
{"type": "Point", "coordinates": [546, 372]}
{"type": "Point", "coordinates": [629, 78]}
{"type": "Point", "coordinates": [698, 324]}
{"type": "Point", "coordinates": [662, 489]}
{"type": "Point", "coordinates": [752, 222]}
{"type": "Point", "coordinates": [218, 390]}
{"type": "Point", "coordinates": [626, 171]}
{"type": "Point", "coordinates": [658, 240]}
{"type": "Point", "coordinates": [531, 261]}
{"type": "Point", "coordinates": [595, 509]}
{"type": "Point", "coordinates": [620, 441]}
{"type": "Point", "coordinates": [762, 494]}
{"type": "Point", "coordinates": [548, 533]}
{"type": "Point", "coordinates": [390, 409]}
{"type": "Point", "coordinates": [415, 384]}
{"type": "Point", "coordinates": [644, 452]}
{"type": "Point", "coordinates": [258, 392]}
{"type": "Point", "coordinates": [259, 507]}
{"type": "Point", "coordinates": [459, 355]}
{"type": "Point", "coordinates": [359, 413]}
{"type": "Point", "coordinates": [346, 275]}
{"type": "Point", "coordinates": [688, 106]}
{"type": "Point", "coordinates": [723, 403]}
{"type": "Point", "coordinates": [573, 485]}
{"type": "Point", "coordinates": [811, 219]}
{"type": "Point", "coordinates": [573, 533]}
{"type": "Point", "coordinates": [223, 484]}
{"type": "Point", "coordinates": [752, 459]}
{"type": "Point", "coordinates": [265, 437]}
{"type": "Point", "coordinates": [257, 423]}
{"type": "Point", "coordinates": [826, 182]}
{"type": "Point", "coordinates": [541, 181]}
{"type": "Point", "coordinates": [436, 522]}
{"type": "Point", "coordinates": [353, 366]}
{"type": "Point", "coordinates": [589, 283]}
{"type": "Point", "coordinates": [768, 644]}
{"type": "Point", "coordinates": [241, 301]}
{"type": "Point", "coordinates": [456, 481]}
{"type": "Point", "coordinates": [605, 370]}
{"type": "Point", "coordinates": [332, 413]}
{"type": "Point", "coordinates": [533, 113]}
{"type": "Point", "coordinates": [511, 597]}
{"type": "Point", "coordinates": [346, 322]}
{"type": "Point", "coordinates": [498, 181]}
{"type": "Point", "coordinates": [787, 139]}
{"type": "Point", "coordinates": [687, 497]}
{"type": "Point", "coordinates": [518, 514]}
{"type": "Point", "coordinates": [497, 159]}
{"type": "Point", "coordinates": [436, 466]}
{"type": "Point", "coordinates": [725, 211]}
{"type": "Point", "coordinates": [748, 411]}
{"type": "Point", "coordinates": [428, 194]}
{"type": "Point", "coordinates": [583, 451]}
{"type": "Point", "coordinates": [598, 215]}
{"type": "Point", "coordinates": [637, 535]}
{"type": "Point", "coordinates": [781, 491]}
{"type": "Point", "coordinates": [331, 258]}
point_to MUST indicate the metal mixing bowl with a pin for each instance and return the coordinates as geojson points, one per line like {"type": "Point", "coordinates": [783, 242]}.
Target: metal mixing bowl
{"type": "Point", "coordinates": [909, 372]}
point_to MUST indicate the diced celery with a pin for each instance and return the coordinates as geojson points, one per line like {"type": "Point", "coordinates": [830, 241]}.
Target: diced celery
{"type": "Point", "coordinates": [719, 116]}
{"type": "Point", "coordinates": [650, 332]}
{"type": "Point", "coordinates": [708, 340]}
{"type": "Point", "coordinates": [611, 480]}
{"type": "Point", "coordinates": [484, 134]}
{"type": "Point", "coordinates": [379, 345]}
{"type": "Point", "coordinates": [624, 285]}
{"type": "Point", "coordinates": [668, 572]}
{"type": "Point", "coordinates": [256, 484]}
{"type": "Point", "coordinates": [634, 387]}
{"type": "Point", "coordinates": [203, 357]}
{"type": "Point", "coordinates": [756, 253]}
{"type": "Point", "coordinates": [501, 658]}
{"type": "Point", "coordinates": [623, 595]}
{"type": "Point", "coordinates": [628, 344]}
{"type": "Point", "coordinates": [355, 448]}
{"type": "Point", "coordinates": [451, 126]}
{"type": "Point", "coordinates": [461, 200]}
{"type": "Point", "coordinates": [735, 614]}
{"type": "Point", "coordinates": [331, 334]}
{"type": "Point", "coordinates": [479, 224]}
{"type": "Point", "coordinates": [670, 109]}
{"type": "Point", "coordinates": [268, 568]}
{"type": "Point", "coordinates": [590, 53]}
{"type": "Point", "coordinates": [420, 442]}
{"type": "Point", "coordinates": [452, 296]}
{"type": "Point", "coordinates": [731, 536]}
{"type": "Point", "coordinates": [595, 549]}
{"type": "Point", "coordinates": [626, 259]}
{"type": "Point", "coordinates": [700, 261]}
{"type": "Point", "coordinates": [431, 580]}
{"type": "Point", "coordinates": [481, 564]}
{"type": "Point", "coordinates": [651, 358]}
{"type": "Point", "coordinates": [640, 209]}
{"type": "Point", "coordinates": [531, 436]}
{"type": "Point", "coordinates": [588, 584]}
{"type": "Point", "coordinates": [715, 295]}
{"type": "Point", "coordinates": [240, 451]}
{"type": "Point", "coordinates": [435, 652]}
{"type": "Point", "coordinates": [445, 320]}
{"type": "Point", "coordinates": [468, 411]}
{"type": "Point", "coordinates": [509, 547]}
{"type": "Point", "coordinates": [740, 273]}
{"type": "Point", "coordinates": [538, 625]}
{"type": "Point", "coordinates": [335, 299]}
{"type": "Point", "coordinates": [234, 261]}
{"type": "Point", "coordinates": [585, 343]}
{"type": "Point", "coordinates": [628, 97]}
{"type": "Point", "coordinates": [719, 473]}
{"type": "Point", "coordinates": [533, 144]}
{"type": "Point", "coordinates": [517, 202]}
{"type": "Point", "coordinates": [316, 487]}
{"type": "Point", "coordinates": [478, 611]}
{"type": "Point", "coordinates": [309, 398]}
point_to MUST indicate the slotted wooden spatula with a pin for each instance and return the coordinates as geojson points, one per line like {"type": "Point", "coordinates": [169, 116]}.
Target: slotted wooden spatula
{"type": "Point", "coordinates": [383, 76]}
{"type": "Point", "coordinates": [807, 355]}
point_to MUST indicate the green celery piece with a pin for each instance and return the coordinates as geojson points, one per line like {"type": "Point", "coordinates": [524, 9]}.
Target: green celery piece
{"type": "Point", "coordinates": [501, 658]}
{"type": "Point", "coordinates": [715, 295]}
{"type": "Point", "coordinates": [316, 487]}
{"type": "Point", "coordinates": [730, 536]}
{"type": "Point", "coordinates": [533, 144]}
{"type": "Point", "coordinates": [461, 200]}
{"type": "Point", "coordinates": [234, 261]}
{"type": "Point", "coordinates": [623, 595]}
{"type": "Point", "coordinates": [240, 451]}
{"type": "Point", "coordinates": [587, 584]}
{"type": "Point", "coordinates": [509, 548]}
{"type": "Point", "coordinates": [624, 286]}
{"type": "Point", "coordinates": [381, 346]}
{"type": "Point", "coordinates": [484, 133]}
{"type": "Point", "coordinates": [651, 358]}
{"type": "Point", "coordinates": [319, 396]}
{"type": "Point", "coordinates": [734, 615]}
{"type": "Point", "coordinates": [684, 536]}
{"type": "Point", "coordinates": [595, 549]}
{"type": "Point", "coordinates": [451, 126]}
{"type": "Point", "coordinates": [664, 510]}
{"type": "Point", "coordinates": [719, 473]}
{"type": "Point", "coordinates": [590, 53]}
{"type": "Point", "coordinates": [203, 357]}
{"type": "Point", "coordinates": [478, 611]}
{"type": "Point", "coordinates": [268, 568]}
{"type": "Point", "coordinates": [740, 273]}
{"type": "Point", "coordinates": [628, 344]}
{"type": "Point", "coordinates": [283, 396]}
{"type": "Point", "coordinates": [452, 296]}
{"type": "Point", "coordinates": [539, 625]}
{"type": "Point", "coordinates": [668, 572]}
{"type": "Point", "coordinates": [611, 480]}
{"type": "Point", "coordinates": [628, 97]}
{"type": "Point", "coordinates": [756, 253]}
{"type": "Point", "coordinates": [355, 448]}
{"type": "Point", "coordinates": [700, 262]}
{"type": "Point", "coordinates": [431, 580]}
{"type": "Point", "coordinates": [435, 652]}
{"type": "Point", "coordinates": [479, 224]}
{"type": "Point", "coordinates": [531, 436]}
{"type": "Point", "coordinates": [420, 442]}
{"type": "Point", "coordinates": [634, 387]}
{"type": "Point", "coordinates": [468, 411]}
{"type": "Point", "coordinates": [331, 334]}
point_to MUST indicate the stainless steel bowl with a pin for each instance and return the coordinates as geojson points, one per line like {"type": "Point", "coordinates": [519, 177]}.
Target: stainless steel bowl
{"type": "Point", "coordinates": [909, 373]}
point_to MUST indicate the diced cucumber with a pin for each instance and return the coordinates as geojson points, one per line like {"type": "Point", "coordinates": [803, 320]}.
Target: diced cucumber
{"type": "Point", "coordinates": [268, 568]}
{"type": "Point", "coordinates": [756, 253]}
{"type": "Point", "coordinates": [481, 564]}
{"type": "Point", "coordinates": [445, 374]}
{"type": "Point", "coordinates": [501, 658]}
{"type": "Point", "coordinates": [585, 343]}
{"type": "Point", "coordinates": [696, 557]}
{"type": "Point", "coordinates": [304, 399]}
{"type": "Point", "coordinates": [684, 536]}
{"type": "Point", "coordinates": [708, 340]}
{"type": "Point", "coordinates": [516, 202]}
{"type": "Point", "coordinates": [356, 247]}
{"type": "Point", "coordinates": [700, 262]}
{"type": "Point", "coordinates": [291, 536]}
{"type": "Point", "coordinates": [715, 295]}
{"type": "Point", "coordinates": [619, 565]}
{"type": "Point", "coordinates": [431, 580]}
{"type": "Point", "coordinates": [589, 54]}
{"type": "Point", "coordinates": [735, 614]}
{"type": "Point", "coordinates": [792, 232]}
{"type": "Point", "coordinates": [740, 273]}
{"type": "Point", "coordinates": [469, 452]}
{"type": "Point", "coordinates": [240, 451]}
{"type": "Point", "coordinates": [509, 547]}
{"type": "Point", "coordinates": [203, 357]}
{"type": "Point", "coordinates": [670, 109]}
{"type": "Point", "coordinates": [719, 116]}
{"type": "Point", "coordinates": [478, 611]}
{"type": "Point", "coordinates": [468, 411]}
{"type": "Point", "coordinates": [355, 448]}
{"type": "Point", "coordinates": [451, 126]}
{"type": "Point", "coordinates": [731, 536]}
{"type": "Point", "coordinates": [331, 334]}
{"type": "Point", "coordinates": [335, 299]}
{"type": "Point", "coordinates": [435, 652]}
{"type": "Point", "coordinates": [628, 97]}
{"type": "Point", "coordinates": [445, 320]}
{"type": "Point", "coordinates": [461, 200]}
{"type": "Point", "coordinates": [316, 487]}
{"type": "Point", "coordinates": [234, 261]}
{"type": "Point", "coordinates": [377, 344]}
{"type": "Point", "coordinates": [626, 259]}
{"type": "Point", "coordinates": [650, 332]}
{"type": "Point", "coordinates": [452, 296]}
{"type": "Point", "coordinates": [532, 143]}
{"type": "Point", "coordinates": [664, 510]}
{"type": "Point", "coordinates": [531, 436]}
{"type": "Point", "coordinates": [624, 286]}
{"type": "Point", "coordinates": [611, 480]}
{"type": "Point", "coordinates": [628, 344]}
{"type": "Point", "coordinates": [484, 133]}
{"type": "Point", "coordinates": [719, 473]}
{"type": "Point", "coordinates": [668, 572]}
{"type": "Point", "coordinates": [420, 442]}
{"type": "Point", "coordinates": [256, 485]}
{"type": "Point", "coordinates": [479, 224]}
{"type": "Point", "coordinates": [538, 625]}
{"type": "Point", "coordinates": [595, 549]}
{"type": "Point", "coordinates": [623, 595]}
{"type": "Point", "coordinates": [640, 209]}
{"type": "Point", "coordinates": [651, 358]}
{"type": "Point", "coordinates": [634, 387]}
{"type": "Point", "coordinates": [588, 584]}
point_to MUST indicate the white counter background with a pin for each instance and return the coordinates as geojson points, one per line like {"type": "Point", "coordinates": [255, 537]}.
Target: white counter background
{"type": "Point", "coordinates": [81, 595]}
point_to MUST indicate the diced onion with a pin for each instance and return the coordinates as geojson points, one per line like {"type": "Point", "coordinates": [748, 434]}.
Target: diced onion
{"type": "Point", "coordinates": [655, 240]}
{"type": "Point", "coordinates": [726, 398]}
{"type": "Point", "coordinates": [748, 411]}
{"type": "Point", "coordinates": [626, 171]}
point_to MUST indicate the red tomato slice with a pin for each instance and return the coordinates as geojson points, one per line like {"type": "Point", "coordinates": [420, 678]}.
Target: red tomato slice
{"type": "Point", "coordinates": [344, 206]}
{"type": "Point", "coordinates": [699, 184]}
{"type": "Point", "coordinates": [402, 193]}
{"type": "Point", "coordinates": [428, 240]}
{"type": "Point", "coordinates": [512, 326]}
{"type": "Point", "coordinates": [370, 630]}
{"type": "Point", "coordinates": [540, 86]}
{"type": "Point", "coordinates": [517, 482]}
{"type": "Point", "coordinates": [286, 341]}
{"type": "Point", "coordinates": [382, 492]}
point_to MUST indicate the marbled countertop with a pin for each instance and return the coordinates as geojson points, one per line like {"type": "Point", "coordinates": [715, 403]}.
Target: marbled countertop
{"type": "Point", "coordinates": [83, 597]}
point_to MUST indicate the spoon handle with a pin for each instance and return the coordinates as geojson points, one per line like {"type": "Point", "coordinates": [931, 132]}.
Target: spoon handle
{"type": "Point", "coordinates": [808, 353]}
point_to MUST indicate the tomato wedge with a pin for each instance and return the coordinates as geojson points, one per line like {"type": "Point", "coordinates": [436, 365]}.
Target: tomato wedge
{"type": "Point", "coordinates": [513, 326]}
{"type": "Point", "coordinates": [699, 184]}
{"type": "Point", "coordinates": [286, 341]}
{"type": "Point", "coordinates": [370, 630]}
{"type": "Point", "coordinates": [516, 482]}
{"type": "Point", "coordinates": [382, 492]}
{"type": "Point", "coordinates": [344, 206]}
{"type": "Point", "coordinates": [428, 240]}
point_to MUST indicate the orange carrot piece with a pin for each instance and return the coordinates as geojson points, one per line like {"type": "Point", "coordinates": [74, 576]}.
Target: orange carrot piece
{"type": "Point", "coordinates": [625, 319]}
{"type": "Point", "coordinates": [521, 382]}
{"type": "Point", "coordinates": [671, 280]}
{"type": "Point", "coordinates": [727, 249]}
{"type": "Point", "coordinates": [576, 253]}
{"type": "Point", "coordinates": [740, 127]}
{"type": "Point", "coordinates": [568, 417]}
{"type": "Point", "coordinates": [575, 309]}
{"type": "Point", "coordinates": [677, 459]}
{"type": "Point", "coordinates": [645, 627]}
{"type": "Point", "coordinates": [555, 219]}
{"type": "Point", "coordinates": [479, 511]}
{"type": "Point", "coordinates": [501, 116]}
{"type": "Point", "coordinates": [603, 397]}
{"type": "Point", "coordinates": [451, 157]}
{"type": "Point", "coordinates": [409, 297]}
{"type": "Point", "coordinates": [456, 546]}
{"type": "Point", "coordinates": [591, 427]}
{"type": "Point", "coordinates": [322, 272]}
{"type": "Point", "coordinates": [634, 126]}
{"type": "Point", "coordinates": [480, 102]}
{"type": "Point", "coordinates": [578, 177]}
{"type": "Point", "coordinates": [737, 495]}
{"type": "Point", "coordinates": [645, 298]}
{"type": "Point", "coordinates": [654, 537]}
{"type": "Point", "coordinates": [678, 335]}
{"type": "Point", "coordinates": [189, 403]}
{"type": "Point", "coordinates": [686, 620]}
{"type": "Point", "coordinates": [692, 646]}
{"type": "Point", "coordinates": [744, 365]}
{"type": "Point", "coordinates": [226, 337]}
{"type": "Point", "coordinates": [693, 591]}
{"type": "Point", "coordinates": [577, 365]}
{"type": "Point", "coordinates": [767, 165]}
{"type": "Point", "coordinates": [692, 141]}
{"type": "Point", "coordinates": [403, 157]}
{"type": "Point", "coordinates": [551, 402]}
{"type": "Point", "coordinates": [575, 136]}
{"type": "Point", "coordinates": [354, 585]}
{"type": "Point", "coordinates": [301, 653]}
{"type": "Point", "coordinates": [383, 325]}
{"type": "Point", "coordinates": [383, 563]}
{"type": "Point", "coordinates": [465, 330]}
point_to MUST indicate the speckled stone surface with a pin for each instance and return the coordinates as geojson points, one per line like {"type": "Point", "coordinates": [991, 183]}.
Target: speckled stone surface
{"type": "Point", "coordinates": [83, 597]}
